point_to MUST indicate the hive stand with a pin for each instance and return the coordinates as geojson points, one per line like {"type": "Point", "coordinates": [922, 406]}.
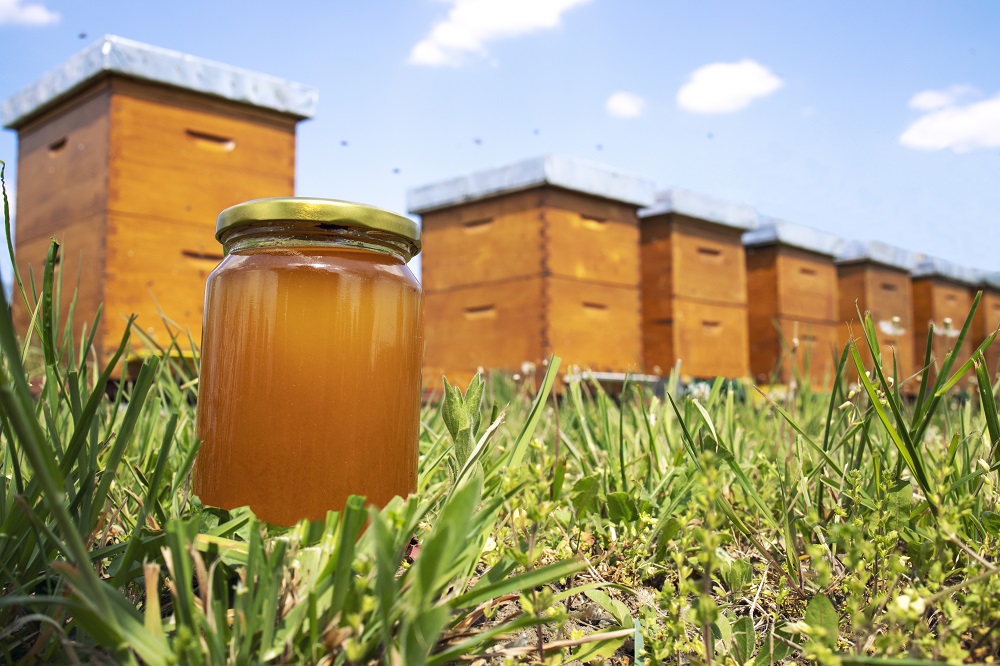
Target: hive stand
{"type": "Point", "coordinates": [792, 283]}
{"type": "Point", "coordinates": [987, 320]}
{"type": "Point", "coordinates": [694, 285]}
{"type": "Point", "coordinates": [126, 155]}
{"type": "Point", "coordinates": [942, 295]}
{"type": "Point", "coordinates": [524, 261]}
{"type": "Point", "coordinates": [875, 277]}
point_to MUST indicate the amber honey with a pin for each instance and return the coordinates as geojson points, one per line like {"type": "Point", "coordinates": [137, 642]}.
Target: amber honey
{"type": "Point", "coordinates": [310, 378]}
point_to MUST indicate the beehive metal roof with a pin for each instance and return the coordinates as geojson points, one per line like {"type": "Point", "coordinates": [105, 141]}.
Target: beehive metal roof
{"type": "Point", "coordinates": [928, 266]}
{"type": "Point", "coordinates": [773, 231]}
{"type": "Point", "coordinates": [112, 54]}
{"type": "Point", "coordinates": [557, 170]}
{"type": "Point", "coordinates": [876, 252]}
{"type": "Point", "coordinates": [692, 204]}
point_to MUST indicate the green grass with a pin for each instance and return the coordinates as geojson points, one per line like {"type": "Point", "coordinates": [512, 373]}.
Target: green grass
{"type": "Point", "coordinates": [842, 527]}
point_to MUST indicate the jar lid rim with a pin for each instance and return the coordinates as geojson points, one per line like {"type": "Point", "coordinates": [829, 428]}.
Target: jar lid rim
{"type": "Point", "coordinates": [317, 211]}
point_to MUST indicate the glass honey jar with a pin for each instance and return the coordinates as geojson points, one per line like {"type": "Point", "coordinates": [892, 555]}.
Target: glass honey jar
{"type": "Point", "coordinates": [310, 361]}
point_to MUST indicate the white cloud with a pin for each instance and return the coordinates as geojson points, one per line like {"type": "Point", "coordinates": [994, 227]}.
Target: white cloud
{"type": "Point", "coordinates": [928, 100]}
{"type": "Point", "coordinates": [471, 24]}
{"type": "Point", "coordinates": [724, 87]}
{"type": "Point", "coordinates": [624, 105]}
{"type": "Point", "coordinates": [959, 128]}
{"type": "Point", "coordinates": [19, 12]}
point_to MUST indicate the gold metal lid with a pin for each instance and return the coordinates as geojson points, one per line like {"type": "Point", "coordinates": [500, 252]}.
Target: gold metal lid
{"type": "Point", "coordinates": [316, 212]}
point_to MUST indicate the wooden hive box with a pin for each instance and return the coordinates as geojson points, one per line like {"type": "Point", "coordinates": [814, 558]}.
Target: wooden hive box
{"type": "Point", "coordinates": [942, 297]}
{"type": "Point", "coordinates": [792, 285]}
{"type": "Point", "coordinates": [694, 285]}
{"type": "Point", "coordinates": [126, 156]}
{"type": "Point", "coordinates": [875, 277]}
{"type": "Point", "coordinates": [524, 261]}
{"type": "Point", "coordinates": [988, 320]}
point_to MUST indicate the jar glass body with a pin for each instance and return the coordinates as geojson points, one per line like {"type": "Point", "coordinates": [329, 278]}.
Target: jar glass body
{"type": "Point", "coordinates": [310, 374]}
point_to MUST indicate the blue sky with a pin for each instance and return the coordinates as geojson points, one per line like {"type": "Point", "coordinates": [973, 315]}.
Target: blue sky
{"type": "Point", "coordinates": [872, 120]}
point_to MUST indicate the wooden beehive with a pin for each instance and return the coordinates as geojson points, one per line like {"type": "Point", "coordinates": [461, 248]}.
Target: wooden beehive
{"type": "Point", "coordinates": [694, 286]}
{"type": "Point", "coordinates": [875, 278]}
{"type": "Point", "coordinates": [524, 261]}
{"type": "Point", "coordinates": [988, 320]}
{"type": "Point", "coordinates": [942, 296]}
{"type": "Point", "coordinates": [792, 303]}
{"type": "Point", "coordinates": [126, 155]}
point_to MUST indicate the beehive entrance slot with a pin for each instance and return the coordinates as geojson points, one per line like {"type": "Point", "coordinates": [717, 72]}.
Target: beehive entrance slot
{"type": "Point", "coordinates": [888, 286]}
{"type": "Point", "coordinates": [474, 226]}
{"type": "Point", "coordinates": [205, 256]}
{"type": "Point", "coordinates": [481, 312]}
{"type": "Point", "coordinates": [807, 271]}
{"type": "Point", "coordinates": [57, 146]}
{"type": "Point", "coordinates": [213, 142]}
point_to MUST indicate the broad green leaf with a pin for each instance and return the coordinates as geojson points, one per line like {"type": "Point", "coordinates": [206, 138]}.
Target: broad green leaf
{"type": "Point", "coordinates": [991, 521]}
{"type": "Point", "coordinates": [722, 632]}
{"type": "Point", "coordinates": [773, 650]}
{"type": "Point", "coordinates": [639, 645]}
{"type": "Point", "coordinates": [585, 492]}
{"type": "Point", "coordinates": [622, 508]}
{"type": "Point", "coordinates": [617, 609]}
{"type": "Point", "coordinates": [737, 574]}
{"type": "Point", "coordinates": [598, 651]}
{"type": "Point", "coordinates": [820, 614]}
{"type": "Point", "coordinates": [744, 639]}
{"type": "Point", "coordinates": [899, 501]}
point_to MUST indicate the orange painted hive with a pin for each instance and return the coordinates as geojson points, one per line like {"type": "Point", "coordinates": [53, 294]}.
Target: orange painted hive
{"type": "Point", "coordinates": [942, 297]}
{"type": "Point", "coordinates": [988, 320]}
{"type": "Point", "coordinates": [694, 285]}
{"type": "Point", "coordinates": [793, 303]}
{"type": "Point", "coordinates": [536, 258]}
{"type": "Point", "coordinates": [875, 278]}
{"type": "Point", "coordinates": [126, 155]}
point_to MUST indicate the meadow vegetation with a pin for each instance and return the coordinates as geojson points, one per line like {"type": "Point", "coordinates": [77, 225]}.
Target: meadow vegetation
{"type": "Point", "coordinates": [552, 523]}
